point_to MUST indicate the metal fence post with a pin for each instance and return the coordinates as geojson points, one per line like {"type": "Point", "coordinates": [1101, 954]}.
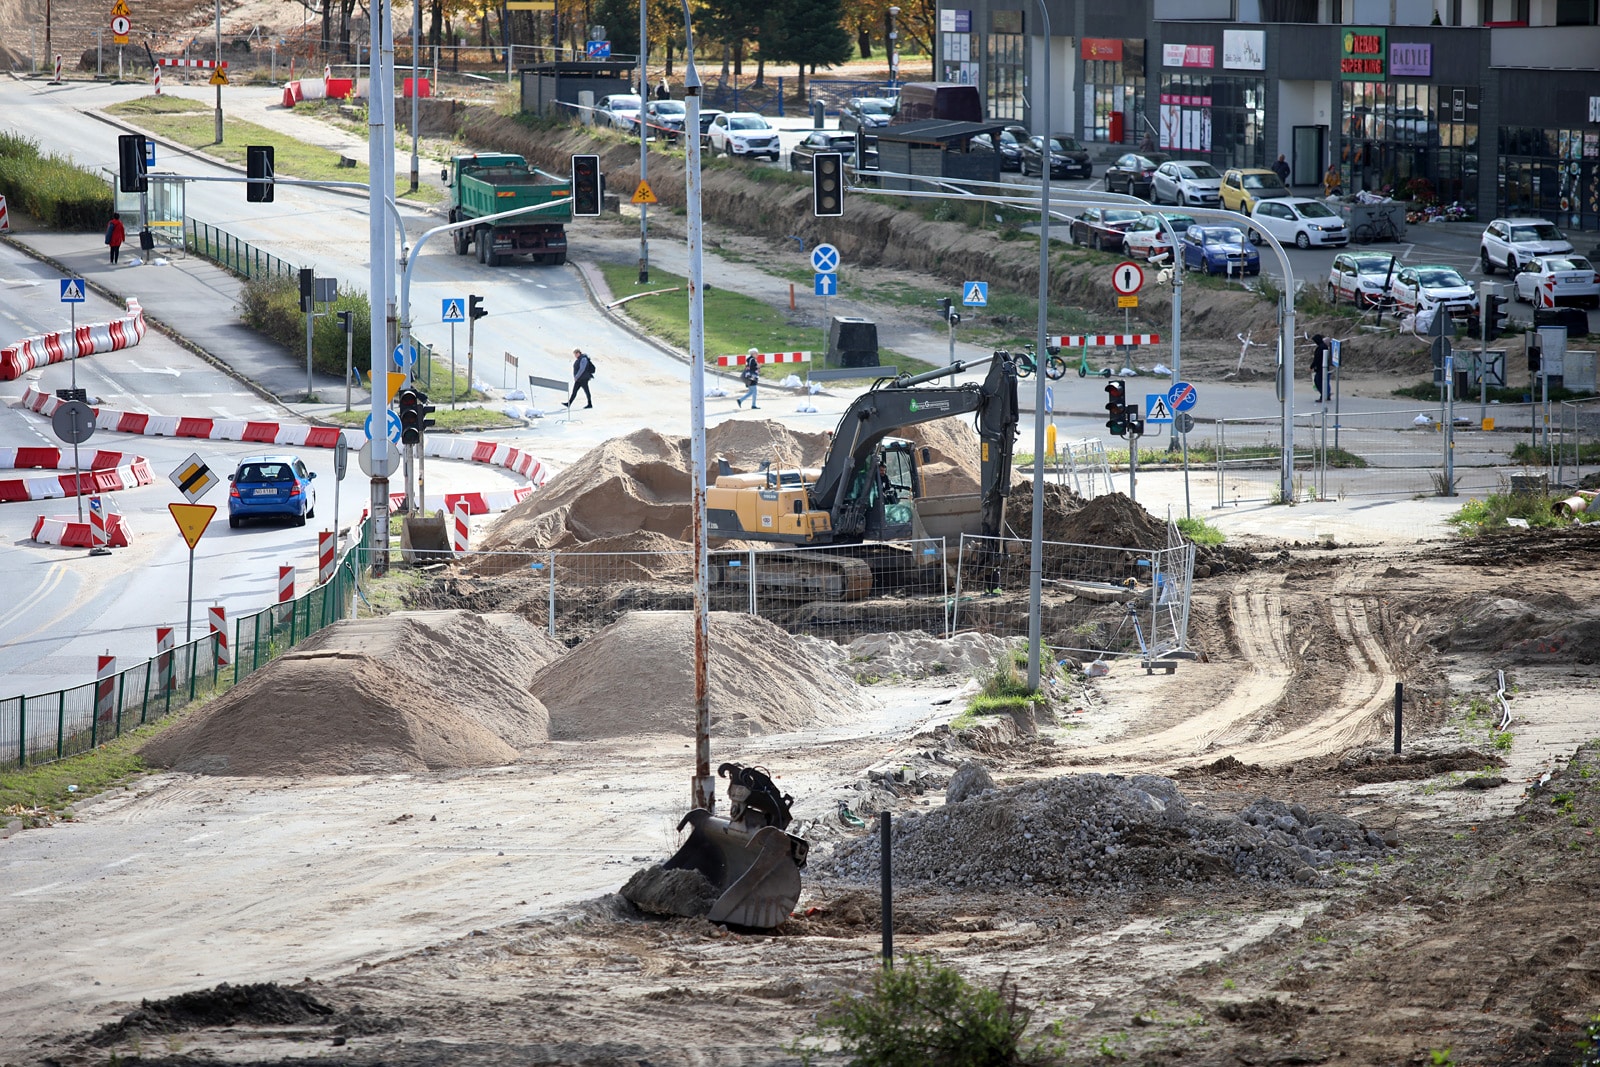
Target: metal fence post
{"type": "Point", "coordinates": [955, 605]}
{"type": "Point", "coordinates": [144, 705]}
{"type": "Point", "coordinates": [61, 724]}
{"type": "Point", "coordinates": [122, 693]}
{"type": "Point", "coordinates": [750, 577]}
{"type": "Point", "coordinates": [22, 732]}
{"type": "Point", "coordinates": [1221, 448]}
{"type": "Point", "coordinates": [552, 594]}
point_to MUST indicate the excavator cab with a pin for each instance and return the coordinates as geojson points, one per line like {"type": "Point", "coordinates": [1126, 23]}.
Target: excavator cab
{"type": "Point", "coordinates": [885, 489]}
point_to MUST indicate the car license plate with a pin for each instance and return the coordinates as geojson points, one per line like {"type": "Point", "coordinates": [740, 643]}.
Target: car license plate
{"type": "Point", "coordinates": [266, 492]}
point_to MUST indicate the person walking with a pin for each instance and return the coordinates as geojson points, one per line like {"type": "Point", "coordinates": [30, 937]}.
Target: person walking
{"type": "Point", "coordinates": [1319, 360]}
{"type": "Point", "coordinates": [582, 371]}
{"type": "Point", "coordinates": [1281, 169]}
{"type": "Point", "coordinates": [115, 235]}
{"type": "Point", "coordinates": [751, 376]}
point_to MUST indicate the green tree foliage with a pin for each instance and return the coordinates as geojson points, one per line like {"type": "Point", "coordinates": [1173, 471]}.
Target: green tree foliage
{"type": "Point", "coordinates": [809, 33]}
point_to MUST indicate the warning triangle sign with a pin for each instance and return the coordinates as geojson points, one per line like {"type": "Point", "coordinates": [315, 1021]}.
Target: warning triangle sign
{"type": "Point", "coordinates": [119, 8]}
{"type": "Point", "coordinates": [71, 289]}
{"type": "Point", "coordinates": [219, 77]}
{"type": "Point", "coordinates": [452, 312]}
{"type": "Point", "coordinates": [644, 194]}
{"type": "Point", "coordinates": [192, 520]}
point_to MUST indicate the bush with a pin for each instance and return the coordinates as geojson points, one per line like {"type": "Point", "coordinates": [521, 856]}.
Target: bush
{"type": "Point", "coordinates": [52, 189]}
{"type": "Point", "coordinates": [919, 1014]}
{"type": "Point", "coordinates": [1476, 516]}
{"type": "Point", "coordinates": [271, 306]}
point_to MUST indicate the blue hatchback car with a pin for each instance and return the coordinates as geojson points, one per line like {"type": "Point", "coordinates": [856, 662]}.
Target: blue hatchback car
{"type": "Point", "coordinates": [271, 486]}
{"type": "Point", "coordinates": [1219, 250]}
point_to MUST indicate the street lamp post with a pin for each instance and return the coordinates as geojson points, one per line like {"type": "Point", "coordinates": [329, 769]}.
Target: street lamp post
{"type": "Point", "coordinates": [644, 133]}
{"type": "Point", "coordinates": [894, 57]}
{"type": "Point", "coordinates": [1041, 361]}
{"type": "Point", "coordinates": [219, 67]}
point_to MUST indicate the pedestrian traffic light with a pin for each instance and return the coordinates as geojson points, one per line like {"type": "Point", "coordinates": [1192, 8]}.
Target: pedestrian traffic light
{"type": "Point", "coordinates": [259, 168]}
{"type": "Point", "coordinates": [1117, 407]}
{"type": "Point", "coordinates": [475, 308]}
{"type": "Point", "coordinates": [1135, 420]}
{"type": "Point", "coordinates": [1495, 314]}
{"type": "Point", "coordinates": [130, 163]}
{"type": "Point", "coordinates": [827, 184]}
{"type": "Point", "coordinates": [347, 321]}
{"type": "Point", "coordinates": [414, 412]}
{"type": "Point", "coordinates": [586, 186]}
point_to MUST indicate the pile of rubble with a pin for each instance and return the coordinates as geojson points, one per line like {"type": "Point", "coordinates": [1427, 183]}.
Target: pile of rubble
{"type": "Point", "coordinates": [1105, 834]}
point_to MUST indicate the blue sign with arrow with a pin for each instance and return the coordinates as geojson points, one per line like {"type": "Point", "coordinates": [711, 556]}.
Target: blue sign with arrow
{"type": "Point", "coordinates": [405, 356]}
{"type": "Point", "coordinates": [827, 284]}
{"type": "Point", "coordinates": [393, 426]}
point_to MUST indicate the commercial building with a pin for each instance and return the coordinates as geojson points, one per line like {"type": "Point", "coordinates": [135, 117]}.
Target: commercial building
{"type": "Point", "coordinates": [1492, 103]}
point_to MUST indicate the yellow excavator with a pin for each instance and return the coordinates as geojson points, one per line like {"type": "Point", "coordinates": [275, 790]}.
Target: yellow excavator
{"type": "Point", "coordinates": [868, 491]}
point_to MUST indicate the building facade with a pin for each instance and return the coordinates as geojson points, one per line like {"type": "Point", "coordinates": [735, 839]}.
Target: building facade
{"type": "Point", "coordinates": [1493, 104]}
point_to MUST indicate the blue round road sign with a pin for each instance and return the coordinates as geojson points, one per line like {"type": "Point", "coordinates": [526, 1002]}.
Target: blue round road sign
{"type": "Point", "coordinates": [1182, 396]}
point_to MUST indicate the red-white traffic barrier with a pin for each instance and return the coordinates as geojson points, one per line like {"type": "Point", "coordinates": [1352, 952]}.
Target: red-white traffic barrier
{"type": "Point", "coordinates": [460, 529]}
{"type": "Point", "coordinates": [20, 357]}
{"type": "Point", "coordinates": [475, 503]}
{"type": "Point", "coordinates": [165, 642]}
{"type": "Point", "coordinates": [218, 615]}
{"type": "Point", "coordinates": [97, 523]}
{"type": "Point", "coordinates": [202, 64]}
{"type": "Point", "coordinates": [327, 541]}
{"type": "Point", "coordinates": [105, 687]}
{"type": "Point", "coordinates": [66, 531]}
{"type": "Point", "coordinates": [1105, 340]}
{"type": "Point", "coordinates": [104, 472]}
{"type": "Point", "coordinates": [5, 216]}
{"type": "Point", "coordinates": [765, 357]}
{"type": "Point", "coordinates": [493, 453]}
{"type": "Point", "coordinates": [285, 583]}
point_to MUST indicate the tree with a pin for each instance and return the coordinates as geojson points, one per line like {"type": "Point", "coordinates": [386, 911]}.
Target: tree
{"type": "Point", "coordinates": [806, 33]}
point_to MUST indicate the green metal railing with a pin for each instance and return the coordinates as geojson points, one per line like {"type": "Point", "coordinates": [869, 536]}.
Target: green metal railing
{"type": "Point", "coordinates": [52, 726]}
{"type": "Point", "coordinates": [226, 250]}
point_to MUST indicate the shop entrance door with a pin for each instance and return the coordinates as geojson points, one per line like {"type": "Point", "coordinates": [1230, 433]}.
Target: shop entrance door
{"type": "Point", "coordinates": [1307, 160]}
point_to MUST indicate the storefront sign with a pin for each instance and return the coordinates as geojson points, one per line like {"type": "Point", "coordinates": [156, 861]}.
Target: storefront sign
{"type": "Point", "coordinates": [1594, 109]}
{"type": "Point", "coordinates": [1244, 49]}
{"type": "Point", "coordinates": [1186, 99]}
{"type": "Point", "coordinates": [1108, 48]}
{"type": "Point", "coordinates": [1188, 55]}
{"type": "Point", "coordinates": [952, 20]}
{"type": "Point", "coordinates": [1361, 55]}
{"type": "Point", "coordinates": [1410, 60]}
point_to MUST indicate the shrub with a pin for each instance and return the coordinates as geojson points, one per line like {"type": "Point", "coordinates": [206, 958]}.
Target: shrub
{"type": "Point", "coordinates": [271, 306]}
{"type": "Point", "coordinates": [52, 189]}
{"type": "Point", "coordinates": [919, 1014]}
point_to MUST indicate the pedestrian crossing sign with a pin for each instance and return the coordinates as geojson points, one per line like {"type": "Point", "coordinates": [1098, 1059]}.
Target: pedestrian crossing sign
{"type": "Point", "coordinates": [72, 290]}
{"type": "Point", "coordinates": [453, 311]}
{"type": "Point", "coordinates": [1156, 408]}
{"type": "Point", "coordinates": [975, 294]}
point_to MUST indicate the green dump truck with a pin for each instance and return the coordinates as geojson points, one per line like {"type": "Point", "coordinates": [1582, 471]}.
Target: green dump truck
{"type": "Point", "coordinates": [491, 182]}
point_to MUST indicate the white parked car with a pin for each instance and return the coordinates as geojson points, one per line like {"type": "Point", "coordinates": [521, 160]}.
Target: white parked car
{"type": "Point", "coordinates": [620, 111]}
{"type": "Point", "coordinates": [1186, 182]}
{"type": "Point", "coordinates": [1549, 281]}
{"type": "Point", "coordinates": [1361, 278]}
{"type": "Point", "coordinates": [743, 133]}
{"type": "Point", "coordinates": [1147, 237]}
{"type": "Point", "coordinates": [1432, 286]}
{"type": "Point", "coordinates": [1299, 220]}
{"type": "Point", "coordinates": [1509, 243]}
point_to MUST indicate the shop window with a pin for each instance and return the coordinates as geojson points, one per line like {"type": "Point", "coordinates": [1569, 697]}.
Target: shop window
{"type": "Point", "coordinates": [1003, 76]}
{"type": "Point", "coordinates": [1575, 12]}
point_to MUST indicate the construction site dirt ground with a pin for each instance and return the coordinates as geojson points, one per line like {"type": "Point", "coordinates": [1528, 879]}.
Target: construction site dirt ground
{"type": "Point", "coordinates": [470, 916]}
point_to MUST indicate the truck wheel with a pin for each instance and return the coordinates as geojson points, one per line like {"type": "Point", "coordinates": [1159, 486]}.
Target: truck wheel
{"type": "Point", "coordinates": [459, 237]}
{"type": "Point", "coordinates": [483, 248]}
{"type": "Point", "coordinates": [559, 259]}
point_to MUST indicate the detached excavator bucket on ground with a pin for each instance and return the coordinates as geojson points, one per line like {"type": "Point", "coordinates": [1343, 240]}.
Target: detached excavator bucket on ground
{"type": "Point", "coordinates": [749, 858]}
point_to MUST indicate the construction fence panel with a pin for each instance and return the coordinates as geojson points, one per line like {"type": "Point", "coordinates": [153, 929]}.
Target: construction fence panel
{"type": "Point", "coordinates": [1096, 600]}
{"type": "Point", "coordinates": [1083, 467]}
{"type": "Point", "coordinates": [1248, 455]}
{"type": "Point", "coordinates": [1577, 440]}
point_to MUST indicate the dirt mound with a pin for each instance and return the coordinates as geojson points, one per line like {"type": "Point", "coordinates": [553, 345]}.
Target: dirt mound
{"type": "Point", "coordinates": [636, 677]}
{"type": "Point", "coordinates": [1111, 519]}
{"type": "Point", "coordinates": [406, 692]}
{"type": "Point", "coordinates": [1105, 834]}
{"type": "Point", "coordinates": [261, 1004]}
{"type": "Point", "coordinates": [921, 655]}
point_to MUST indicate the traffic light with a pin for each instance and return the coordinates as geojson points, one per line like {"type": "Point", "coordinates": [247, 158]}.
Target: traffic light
{"type": "Point", "coordinates": [945, 304]}
{"type": "Point", "coordinates": [308, 281]}
{"type": "Point", "coordinates": [1117, 407]}
{"type": "Point", "coordinates": [1495, 314]}
{"type": "Point", "coordinates": [347, 321]}
{"type": "Point", "coordinates": [827, 184]}
{"type": "Point", "coordinates": [586, 186]}
{"type": "Point", "coordinates": [414, 412]}
{"type": "Point", "coordinates": [259, 168]}
{"type": "Point", "coordinates": [130, 163]}
{"type": "Point", "coordinates": [475, 308]}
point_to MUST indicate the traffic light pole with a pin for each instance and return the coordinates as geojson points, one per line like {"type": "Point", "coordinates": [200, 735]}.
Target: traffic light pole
{"type": "Point", "coordinates": [1485, 314]}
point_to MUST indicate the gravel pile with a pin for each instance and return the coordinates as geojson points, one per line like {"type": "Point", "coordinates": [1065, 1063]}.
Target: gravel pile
{"type": "Point", "coordinates": [1102, 834]}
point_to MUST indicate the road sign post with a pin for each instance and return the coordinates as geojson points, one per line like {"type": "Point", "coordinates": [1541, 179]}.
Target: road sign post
{"type": "Point", "coordinates": [192, 520]}
{"type": "Point", "coordinates": [74, 422]}
{"type": "Point", "coordinates": [341, 463]}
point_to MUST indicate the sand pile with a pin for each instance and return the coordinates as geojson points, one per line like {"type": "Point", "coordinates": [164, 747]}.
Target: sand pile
{"type": "Point", "coordinates": [915, 654]}
{"type": "Point", "coordinates": [1105, 834]}
{"type": "Point", "coordinates": [636, 677]}
{"type": "Point", "coordinates": [1111, 519]}
{"type": "Point", "coordinates": [416, 691]}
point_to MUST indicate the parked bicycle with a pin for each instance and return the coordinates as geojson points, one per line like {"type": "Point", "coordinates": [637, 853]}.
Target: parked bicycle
{"type": "Point", "coordinates": [1380, 228]}
{"type": "Point", "coordinates": [1055, 368]}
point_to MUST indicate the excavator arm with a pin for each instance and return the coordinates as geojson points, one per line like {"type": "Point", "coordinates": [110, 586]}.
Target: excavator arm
{"type": "Point", "coordinates": [892, 405]}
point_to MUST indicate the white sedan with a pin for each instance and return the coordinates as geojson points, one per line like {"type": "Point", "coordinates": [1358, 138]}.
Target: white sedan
{"type": "Point", "coordinates": [1147, 237]}
{"type": "Point", "coordinates": [1431, 287]}
{"type": "Point", "coordinates": [743, 133]}
{"type": "Point", "coordinates": [1551, 280]}
{"type": "Point", "coordinates": [1299, 220]}
{"type": "Point", "coordinates": [1361, 278]}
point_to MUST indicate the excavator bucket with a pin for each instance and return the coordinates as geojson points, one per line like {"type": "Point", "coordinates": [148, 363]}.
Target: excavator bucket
{"type": "Point", "coordinates": [749, 859]}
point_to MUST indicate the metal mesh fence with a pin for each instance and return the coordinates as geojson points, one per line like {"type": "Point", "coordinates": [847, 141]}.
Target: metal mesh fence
{"type": "Point", "coordinates": [226, 250]}
{"type": "Point", "coordinates": [66, 722]}
{"type": "Point", "coordinates": [1096, 600]}
{"type": "Point", "coordinates": [1577, 439]}
{"type": "Point", "coordinates": [1084, 468]}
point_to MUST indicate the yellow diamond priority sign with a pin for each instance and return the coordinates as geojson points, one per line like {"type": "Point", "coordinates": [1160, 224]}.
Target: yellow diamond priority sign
{"type": "Point", "coordinates": [644, 194]}
{"type": "Point", "coordinates": [192, 520]}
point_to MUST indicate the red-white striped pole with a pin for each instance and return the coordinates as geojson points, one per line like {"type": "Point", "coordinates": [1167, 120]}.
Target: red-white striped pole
{"type": "Point", "coordinates": [57, 79]}
{"type": "Point", "coordinates": [105, 687]}
{"type": "Point", "coordinates": [97, 524]}
{"type": "Point", "coordinates": [166, 639]}
{"type": "Point", "coordinates": [158, 80]}
{"type": "Point", "coordinates": [326, 540]}
{"type": "Point", "coordinates": [285, 583]}
{"type": "Point", "coordinates": [460, 528]}
{"type": "Point", "coordinates": [219, 630]}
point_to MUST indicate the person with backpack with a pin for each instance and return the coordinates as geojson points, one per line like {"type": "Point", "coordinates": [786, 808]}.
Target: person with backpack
{"type": "Point", "coordinates": [582, 371]}
{"type": "Point", "coordinates": [751, 376]}
{"type": "Point", "coordinates": [115, 235]}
